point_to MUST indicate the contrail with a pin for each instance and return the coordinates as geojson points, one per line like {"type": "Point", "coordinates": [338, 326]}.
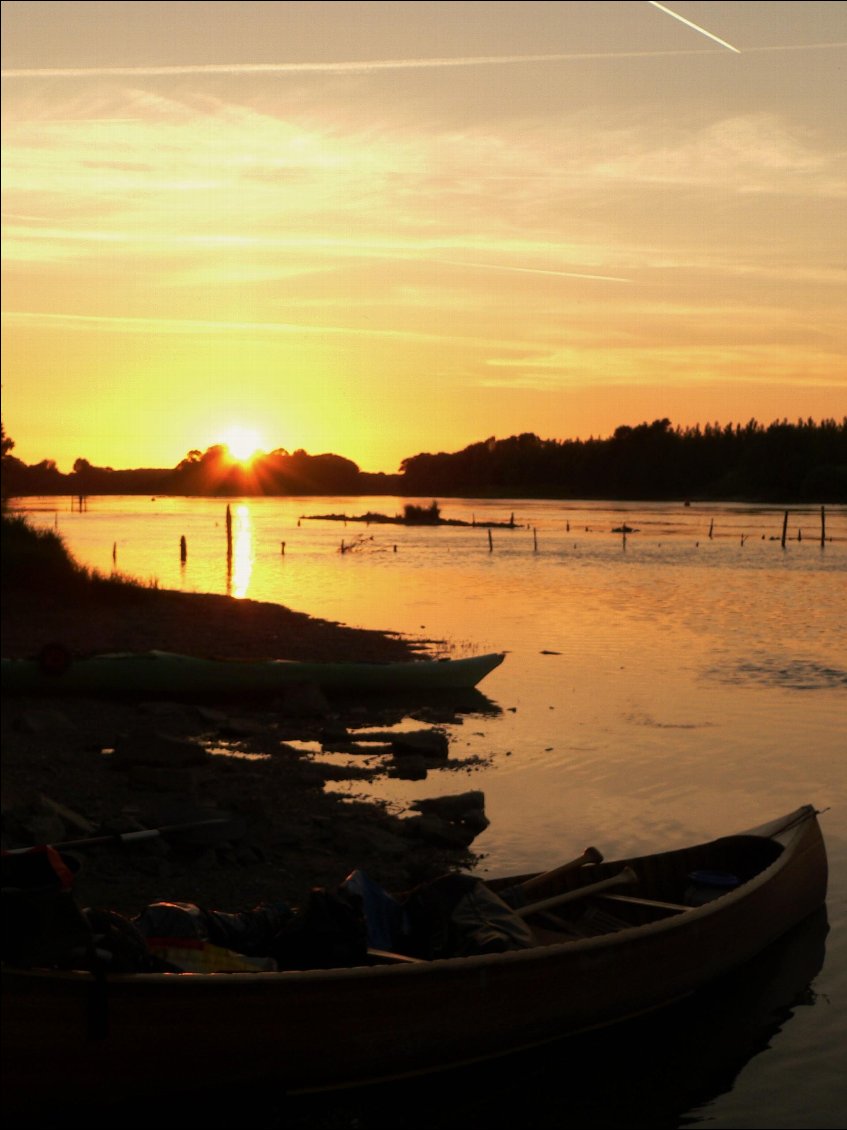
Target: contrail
{"type": "Point", "coordinates": [696, 27]}
{"type": "Point", "coordinates": [360, 66]}
{"type": "Point", "coordinates": [527, 270]}
{"type": "Point", "coordinates": [365, 65]}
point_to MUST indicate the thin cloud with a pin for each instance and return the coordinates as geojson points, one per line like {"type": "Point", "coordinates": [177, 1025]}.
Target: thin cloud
{"type": "Point", "coordinates": [204, 327]}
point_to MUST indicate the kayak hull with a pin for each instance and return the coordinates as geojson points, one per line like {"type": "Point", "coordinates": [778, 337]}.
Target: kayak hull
{"type": "Point", "coordinates": [166, 674]}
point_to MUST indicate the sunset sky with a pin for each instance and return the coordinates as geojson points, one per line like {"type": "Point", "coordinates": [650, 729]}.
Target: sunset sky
{"type": "Point", "coordinates": [385, 228]}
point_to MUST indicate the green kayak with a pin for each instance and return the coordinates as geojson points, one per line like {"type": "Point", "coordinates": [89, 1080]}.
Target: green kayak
{"type": "Point", "coordinates": [164, 674]}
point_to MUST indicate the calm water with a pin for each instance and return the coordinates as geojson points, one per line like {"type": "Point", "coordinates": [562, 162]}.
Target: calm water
{"type": "Point", "coordinates": [683, 681]}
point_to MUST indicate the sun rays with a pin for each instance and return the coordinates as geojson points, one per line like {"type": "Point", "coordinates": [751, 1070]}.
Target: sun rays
{"type": "Point", "coordinates": [243, 443]}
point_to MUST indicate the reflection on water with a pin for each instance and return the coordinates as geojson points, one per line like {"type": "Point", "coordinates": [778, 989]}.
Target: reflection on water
{"type": "Point", "coordinates": [684, 687]}
{"type": "Point", "coordinates": [239, 558]}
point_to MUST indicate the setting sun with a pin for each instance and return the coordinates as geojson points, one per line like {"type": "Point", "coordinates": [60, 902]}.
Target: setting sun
{"type": "Point", "coordinates": [242, 443]}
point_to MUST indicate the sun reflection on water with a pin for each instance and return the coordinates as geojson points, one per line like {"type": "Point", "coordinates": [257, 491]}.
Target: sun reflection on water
{"type": "Point", "coordinates": [239, 562]}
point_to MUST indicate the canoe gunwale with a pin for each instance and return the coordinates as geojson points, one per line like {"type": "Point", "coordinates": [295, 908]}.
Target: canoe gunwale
{"type": "Point", "coordinates": [793, 827]}
{"type": "Point", "coordinates": [248, 1027]}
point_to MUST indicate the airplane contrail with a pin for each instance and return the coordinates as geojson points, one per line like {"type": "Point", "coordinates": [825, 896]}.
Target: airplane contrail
{"type": "Point", "coordinates": [527, 270]}
{"type": "Point", "coordinates": [365, 65]}
{"type": "Point", "coordinates": [695, 27]}
{"type": "Point", "coordinates": [362, 65]}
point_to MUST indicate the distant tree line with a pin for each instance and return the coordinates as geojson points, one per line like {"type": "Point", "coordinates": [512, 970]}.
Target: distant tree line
{"type": "Point", "coordinates": [783, 462]}
{"type": "Point", "coordinates": [209, 473]}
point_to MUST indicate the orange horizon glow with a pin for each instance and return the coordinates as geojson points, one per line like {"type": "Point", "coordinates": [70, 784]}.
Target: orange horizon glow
{"type": "Point", "coordinates": [575, 221]}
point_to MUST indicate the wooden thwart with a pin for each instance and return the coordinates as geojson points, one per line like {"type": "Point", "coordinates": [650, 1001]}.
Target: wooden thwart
{"type": "Point", "coordinates": [634, 900]}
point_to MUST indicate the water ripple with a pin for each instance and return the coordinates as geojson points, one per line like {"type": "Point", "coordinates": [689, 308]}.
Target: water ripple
{"type": "Point", "coordinates": [793, 674]}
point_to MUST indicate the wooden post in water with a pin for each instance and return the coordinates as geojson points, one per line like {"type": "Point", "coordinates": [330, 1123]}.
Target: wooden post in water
{"type": "Point", "coordinates": [114, 553]}
{"type": "Point", "coordinates": [282, 548]}
{"type": "Point", "coordinates": [784, 529]}
{"type": "Point", "coordinates": [534, 540]}
{"type": "Point", "coordinates": [183, 549]}
{"type": "Point", "coordinates": [228, 530]}
{"type": "Point", "coordinates": [823, 526]}
{"type": "Point", "coordinates": [711, 527]}
{"type": "Point", "coordinates": [490, 542]}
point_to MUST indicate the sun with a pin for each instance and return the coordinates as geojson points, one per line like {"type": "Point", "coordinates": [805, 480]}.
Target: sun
{"type": "Point", "coordinates": [242, 443]}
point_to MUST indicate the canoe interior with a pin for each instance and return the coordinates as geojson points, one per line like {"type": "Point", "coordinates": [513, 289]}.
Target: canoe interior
{"type": "Point", "coordinates": [600, 960]}
{"type": "Point", "coordinates": [663, 888]}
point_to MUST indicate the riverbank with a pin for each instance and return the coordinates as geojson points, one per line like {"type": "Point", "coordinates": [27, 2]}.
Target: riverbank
{"type": "Point", "coordinates": [76, 769]}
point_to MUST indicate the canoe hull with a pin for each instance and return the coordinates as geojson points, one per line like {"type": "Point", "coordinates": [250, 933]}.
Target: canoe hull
{"type": "Point", "coordinates": [165, 674]}
{"type": "Point", "coordinates": [320, 1029]}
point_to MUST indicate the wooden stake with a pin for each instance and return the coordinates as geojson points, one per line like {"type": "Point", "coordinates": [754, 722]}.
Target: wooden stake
{"type": "Point", "coordinates": [490, 542]}
{"type": "Point", "coordinates": [183, 549]}
{"type": "Point", "coordinates": [823, 526]}
{"type": "Point", "coordinates": [784, 528]}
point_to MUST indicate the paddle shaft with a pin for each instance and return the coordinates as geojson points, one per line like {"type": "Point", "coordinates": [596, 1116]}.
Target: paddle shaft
{"type": "Point", "coordinates": [623, 879]}
{"type": "Point", "coordinates": [548, 878]}
{"type": "Point", "coordinates": [128, 837]}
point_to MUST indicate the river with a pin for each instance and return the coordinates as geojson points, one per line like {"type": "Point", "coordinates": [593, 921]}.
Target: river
{"type": "Point", "coordinates": [673, 672]}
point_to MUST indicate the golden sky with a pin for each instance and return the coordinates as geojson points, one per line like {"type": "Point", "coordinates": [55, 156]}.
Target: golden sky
{"type": "Point", "coordinates": [385, 228]}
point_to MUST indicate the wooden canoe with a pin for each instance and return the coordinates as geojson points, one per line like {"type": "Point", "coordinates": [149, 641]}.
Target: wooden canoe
{"type": "Point", "coordinates": [600, 959]}
{"type": "Point", "coordinates": [165, 674]}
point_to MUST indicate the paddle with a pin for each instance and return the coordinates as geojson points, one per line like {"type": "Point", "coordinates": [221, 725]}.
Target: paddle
{"type": "Point", "coordinates": [548, 878]}
{"type": "Point", "coordinates": [624, 878]}
{"type": "Point", "coordinates": [136, 837]}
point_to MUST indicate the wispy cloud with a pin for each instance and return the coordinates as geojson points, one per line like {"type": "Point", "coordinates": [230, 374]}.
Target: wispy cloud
{"type": "Point", "coordinates": [686, 365]}
{"type": "Point", "coordinates": [206, 328]}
